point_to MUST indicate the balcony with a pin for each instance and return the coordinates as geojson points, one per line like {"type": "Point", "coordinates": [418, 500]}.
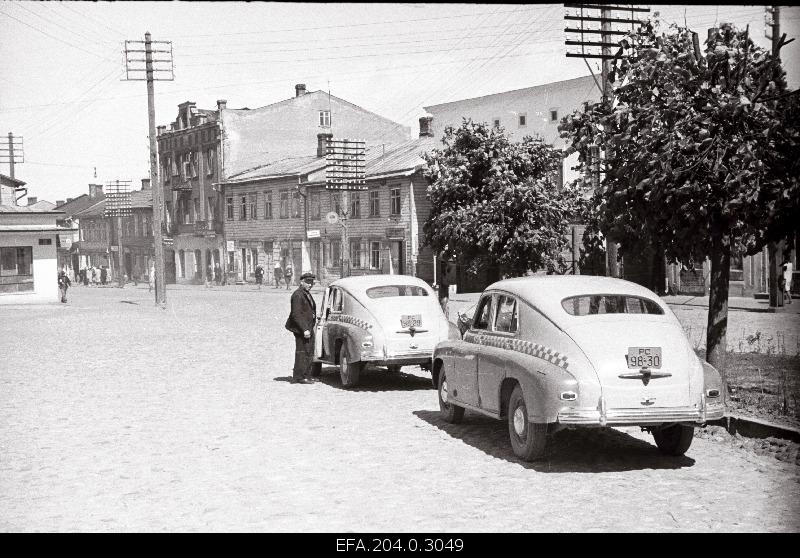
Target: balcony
{"type": "Point", "coordinates": [179, 185]}
{"type": "Point", "coordinates": [201, 227]}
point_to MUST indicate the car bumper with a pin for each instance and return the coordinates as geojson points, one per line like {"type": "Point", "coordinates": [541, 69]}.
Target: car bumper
{"type": "Point", "coordinates": [622, 417]}
{"type": "Point", "coordinates": [405, 359]}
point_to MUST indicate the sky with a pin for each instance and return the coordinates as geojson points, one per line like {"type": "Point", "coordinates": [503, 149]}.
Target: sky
{"type": "Point", "coordinates": [63, 87]}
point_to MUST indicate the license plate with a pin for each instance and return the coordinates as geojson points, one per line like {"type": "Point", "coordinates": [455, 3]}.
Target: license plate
{"type": "Point", "coordinates": [644, 357]}
{"type": "Point", "coordinates": [411, 320]}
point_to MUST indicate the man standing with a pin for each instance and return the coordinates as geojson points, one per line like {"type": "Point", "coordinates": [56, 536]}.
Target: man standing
{"type": "Point", "coordinates": [278, 273]}
{"type": "Point", "coordinates": [301, 321]}
{"type": "Point", "coordinates": [259, 275]}
{"type": "Point", "coordinates": [63, 285]}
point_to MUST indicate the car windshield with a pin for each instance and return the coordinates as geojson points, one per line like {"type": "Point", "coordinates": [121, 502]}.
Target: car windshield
{"type": "Point", "coordinates": [385, 291]}
{"type": "Point", "coordinates": [585, 305]}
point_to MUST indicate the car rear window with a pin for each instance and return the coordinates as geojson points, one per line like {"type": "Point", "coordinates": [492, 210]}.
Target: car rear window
{"type": "Point", "coordinates": [385, 291]}
{"type": "Point", "coordinates": [585, 305]}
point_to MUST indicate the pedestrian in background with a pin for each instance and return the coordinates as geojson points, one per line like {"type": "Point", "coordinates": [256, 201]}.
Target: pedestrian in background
{"type": "Point", "coordinates": [217, 274]}
{"type": "Point", "coordinates": [301, 322]}
{"type": "Point", "coordinates": [63, 285]}
{"type": "Point", "coordinates": [787, 282]}
{"type": "Point", "coordinates": [209, 276]}
{"type": "Point", "coordinates": [287, 276]}
{"type": "Point", "coordinates": [94, 276]}
{"type": "Point", "coordinates": [103, 275]}
{"type": "Point", "coordinates": [278, 273]}
{"type": "Point", "coordinates": [259, 275]}
{"type": "Point", "coordinates": [84, 277]}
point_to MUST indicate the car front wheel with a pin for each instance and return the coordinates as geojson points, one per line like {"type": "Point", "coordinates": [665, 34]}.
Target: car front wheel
{"type": "Point", "coordinates": [450, 412]}
{"type": "Point", "coordinates": [528, 439]}
{"type": "Point", "coordinates": [675, 439]}
{"type": "Point", "coordinates": [348, 371]}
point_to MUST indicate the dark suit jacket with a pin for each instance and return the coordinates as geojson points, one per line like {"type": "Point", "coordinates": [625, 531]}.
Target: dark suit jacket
{"type": "Point", "coordinates": [303, 315]}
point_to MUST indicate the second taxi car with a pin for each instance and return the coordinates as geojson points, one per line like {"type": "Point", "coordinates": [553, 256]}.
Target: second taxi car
{"type": "Point", "coordinates": [552, 352]}
{"type": "Point", "coordinates": [382, 320]}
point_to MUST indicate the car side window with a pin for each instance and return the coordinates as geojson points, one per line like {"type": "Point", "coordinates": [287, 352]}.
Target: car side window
{"type": "Point", "coordinates": [336, 303]}
{"type": "Point", "coordinates": [483, 316]}
{"type": "Point", "coordinates": [506, 320]}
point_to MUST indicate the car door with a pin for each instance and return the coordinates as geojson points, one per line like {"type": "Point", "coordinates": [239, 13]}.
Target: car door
{"type": "Point", "coordinates": [333, 326]}
{"type": "Point", "coordinates": [320, 327]}
{"type": "Point", "coordinates": [494, 356]}
{"type": "Point", "coordinates": [464, 376]}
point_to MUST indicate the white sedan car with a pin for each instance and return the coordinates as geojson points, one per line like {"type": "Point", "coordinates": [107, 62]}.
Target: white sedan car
{"type": "Point", "coordinates": [551, 352]}
{"type": "Point", "coordinates": [382, 320]}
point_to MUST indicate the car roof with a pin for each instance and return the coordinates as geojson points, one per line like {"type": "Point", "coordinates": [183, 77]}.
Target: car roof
{"type": "Point", "coordinates": [547, 291]}
{"type": "Point", "coordinates": [360, 283]}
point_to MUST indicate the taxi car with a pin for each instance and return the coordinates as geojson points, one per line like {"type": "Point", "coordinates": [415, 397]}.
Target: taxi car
{"type": "Point", "coordinates": [551, 352]}
{"type": "Point", "coordinates": [381, 320]}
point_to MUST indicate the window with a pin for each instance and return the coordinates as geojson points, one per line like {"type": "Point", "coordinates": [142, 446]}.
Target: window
{"type": "Point", "coordinates": [394, 197]}
{"type": "Point", "coordinates": [285, 204]}
{"type": "Point", "coordinates": [325, 118]}
{"type": "Point", "coordinates": [315, 205]}
{"type": "Point", "coordinates": [496, 122]}
{"type": "Point", "coordinates": [243, 208]}
{"type": "Point", "coordinates": [336, 300]}
{"type": "Point", "coordinates": [609, 304]}
{"type": "Point", "coordinates": [355, 205]}
{"type": "Point", "coordinates": [355, 253]}
{"type": "Point", "coordinates": [173, 161]}
{"type": "Point", "coordinates": [483, 317]}
{"type": "Point", "coordinates": [553, 115]}
{"type": "Point", "coordinates": [253, 200]}
{"type": "Point", "coordinates": [210, 209]}
{"type": "Point", "coordinates": [168, 214]}
{"type": "Point", "coordinates": [267, 205]}
{"type": "Point", "coordinates": [229, 208]}
{"type": "Point", "coordinates": [385, 291]}
{"type": "Point", "coordinates": [374, 203]}
{"type": "Point", "coordinates": [16, 264]}
{"type": "Point", "coordinates": [335, 253]}
{"type": "Point", "coordinates": [523, 120]}
{"type": "Point", "coordinates": [45, 241]}
{"type": "Point", "coordinates": [182, 261]}
{"type": "Point", "coordinates": [296, 204]}
{"type": "Point", "coordinates": [210, 162]}
{"type": "Point", "coordinates": [336, 204]}
{"type": "Point", "coordinates": [196, 210]}
{"type": "Point", "coordinates": [375, 255]}
{"type": "Point", "coordinates": [506, 319]}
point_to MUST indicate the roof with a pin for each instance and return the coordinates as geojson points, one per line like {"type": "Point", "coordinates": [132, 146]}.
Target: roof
{"type": "Point", "coordinates": [547, 291]}
{"type": "Point", "coordinates": [142, 199]}
{"type": "Point", "coordinates": [359, 284]}
{"type": "Point", "coordinates": [27, 209]}
{"type": "Point", "coordinates": [403, 158]}
{"type": "Point", "coordinates": [44, 205]}
{"type": "Point", "coordinates": [32, 228]}
{"type": "Point", "coordinates": [288, 166]}
{"type": "Point", "coordinates": [78, 204]}
{"type": "Point", "coordinates": [8, 181]}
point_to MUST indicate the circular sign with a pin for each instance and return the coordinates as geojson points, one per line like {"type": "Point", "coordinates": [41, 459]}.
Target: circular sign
{"type": "Point", "coordinates": [332, 218]}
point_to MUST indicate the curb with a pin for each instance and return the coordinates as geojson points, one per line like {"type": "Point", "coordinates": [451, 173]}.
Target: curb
{"type": "Point", "coordinates": [756, 428]}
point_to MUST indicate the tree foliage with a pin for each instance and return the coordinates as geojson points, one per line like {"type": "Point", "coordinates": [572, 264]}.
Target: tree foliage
{"type": "Point", "coordinates": [701, 150]}
{"type": "Point", "coordinates": [496, 200]}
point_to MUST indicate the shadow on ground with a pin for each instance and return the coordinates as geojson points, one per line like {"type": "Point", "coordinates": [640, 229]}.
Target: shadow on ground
{"type": "Point", "coordinates": [569, 451]}
{"type": "Point", "coordinates": [377, 379]}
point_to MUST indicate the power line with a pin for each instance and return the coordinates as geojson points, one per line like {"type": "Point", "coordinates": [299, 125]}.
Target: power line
{"type": "Point", "coordinates": [89, 16]}
{"type": "Point", "coordinates": [79, 35]}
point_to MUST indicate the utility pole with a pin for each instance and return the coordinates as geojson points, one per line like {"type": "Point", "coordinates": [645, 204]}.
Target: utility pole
{"type": "Point", "coordinates": [151, 71]}
{"type": "Point", "coordinates": [774, 249]}
{"type": "Point", "coordinates": [12, 153]}
{"type": "Point", "coordinates": [587, 16]}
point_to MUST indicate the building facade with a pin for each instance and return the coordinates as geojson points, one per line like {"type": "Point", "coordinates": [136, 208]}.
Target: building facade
{"type": "Point", "coordinates": [28, 259]}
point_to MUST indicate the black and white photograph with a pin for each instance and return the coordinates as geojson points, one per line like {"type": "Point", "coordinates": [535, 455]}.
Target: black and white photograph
{"type": "Point", "coordinates": [401, 275]}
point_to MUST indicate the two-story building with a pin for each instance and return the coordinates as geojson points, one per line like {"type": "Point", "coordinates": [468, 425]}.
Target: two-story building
{"type": "Point", "coordinates": [70, 257]}
{"type": "Point", "coordinates": [94, 230]}
{"type": "Point", "coordinates": [267, 210]}
{"type": "Point", "coordinates": [207, 147]}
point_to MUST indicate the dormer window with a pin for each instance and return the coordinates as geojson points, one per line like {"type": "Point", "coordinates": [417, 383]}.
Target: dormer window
{"type": "Point", "coordinates": [325, 118]}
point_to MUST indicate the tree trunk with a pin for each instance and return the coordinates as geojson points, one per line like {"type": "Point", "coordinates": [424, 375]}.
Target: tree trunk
{"type": "Point", "coordinates": [716, 332]}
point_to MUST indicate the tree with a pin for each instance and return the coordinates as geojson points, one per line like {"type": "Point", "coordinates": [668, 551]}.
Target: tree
{"type": "Point", "coordinates": [496, 201]}
{"type": "Point", "coordinates": [701, 153]}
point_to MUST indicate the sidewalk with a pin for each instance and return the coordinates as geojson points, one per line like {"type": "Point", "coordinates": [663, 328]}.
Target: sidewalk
{"type": "Point", "coordinates": [748, 304]}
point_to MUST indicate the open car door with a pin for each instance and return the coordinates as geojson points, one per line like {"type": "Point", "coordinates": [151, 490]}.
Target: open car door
{"type": "Point", "coordinates": [321, 319]}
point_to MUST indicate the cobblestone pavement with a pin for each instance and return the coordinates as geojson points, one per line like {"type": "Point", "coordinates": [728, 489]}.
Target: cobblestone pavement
{"type": "Point", "coordinates": [118, 416]}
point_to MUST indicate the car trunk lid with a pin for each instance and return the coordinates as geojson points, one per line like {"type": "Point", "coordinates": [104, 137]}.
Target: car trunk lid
{"type": "Point", "coordinates": [409, 325]}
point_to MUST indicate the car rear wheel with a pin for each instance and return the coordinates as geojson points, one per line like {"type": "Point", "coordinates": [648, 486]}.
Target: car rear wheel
{"type": "Point", "coordinates": [450, 412]}
{"type": "Point", "coordinates": [394, 368]}
{"type": "Point", "coordinates": [675, 439]}
{"type": "Point", "coordinates": [528, 439]}
{"type": "Point", "coordinates": [348, 371]}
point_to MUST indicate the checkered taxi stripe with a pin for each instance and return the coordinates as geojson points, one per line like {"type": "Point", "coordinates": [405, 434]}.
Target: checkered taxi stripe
{"type": "Point", "coordinates": [520, 346]}
{"type": "Point", "coordinates": [344, 318]}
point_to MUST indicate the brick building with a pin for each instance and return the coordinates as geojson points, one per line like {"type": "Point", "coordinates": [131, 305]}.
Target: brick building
{"type": "Point", "coordinates": [204, 148]}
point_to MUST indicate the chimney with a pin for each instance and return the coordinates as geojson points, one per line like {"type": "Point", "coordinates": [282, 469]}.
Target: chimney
{"type": "Point", "coordinates": [145, 183]}
{"type": "Point", "coordinates": [32, 200]}
{"type": "Point", "coordinates": [322, 143]}
{"type": "Point", "coordinates": [95, 190]}
{"type": "Point", "coordinates": [160, 130]}
{"type": "Point", "coordinates": [299, 89]}
{"type": "Point", "coordinates": [59, 203]}
{"type": "Point", "coordinates": [222, 104]}
{"type": "Point", "coordinates": [70, 199]}
{"type": "Point", "coordinates": [426, 127]}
